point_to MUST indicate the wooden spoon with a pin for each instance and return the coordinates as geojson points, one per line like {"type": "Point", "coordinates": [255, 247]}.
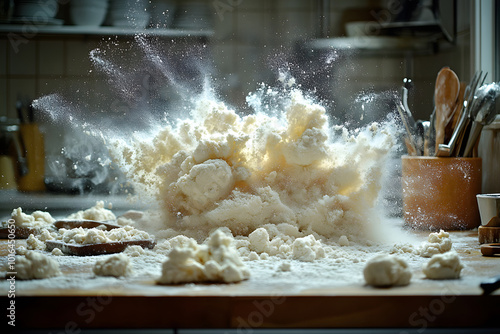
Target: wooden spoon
{"type": "Point", "coordinates": [446, 95]}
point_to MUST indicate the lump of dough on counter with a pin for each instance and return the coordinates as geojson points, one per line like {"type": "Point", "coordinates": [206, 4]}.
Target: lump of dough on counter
{"type": "Point", "coordinates": [285, 266]}
{"type": "Point", "coordinates": [307, 249]}
{"type": "Point", "coordinates": [259, 240]}
{"type": "Point", "coordinates": [35, 265]}
{"type": "Point", "coordinates": [343, 241]}
{"type": "Point", "coordinates": [96, 236]}
{"type": "Point", "coordinates": [38, 219]}
{"type": "Point", "coordinates": [206, 183]}
{"type": "Point", "coordinates": [57, 252]}
{"type": "Point", "coordinates": [437, 243]}
{"type": "Point", "coordinates": [180, 241]}
{"type": "Point", "coordinates": [214, 261]}
{"type": "Point", "coordinates": [33, 243]}
{"type": "Point", "coordinates": [134, 251]}
{"type": "Point", "coordinates": [443, 266]}
{"type": "Point", "coordinates": [116, 265]}
{"type": "Point", "coordinates": [97, 212]}
{"type": "Point", "coordinates": [385, 270]}
{"type": "Point", "coordinates": [87, 236]}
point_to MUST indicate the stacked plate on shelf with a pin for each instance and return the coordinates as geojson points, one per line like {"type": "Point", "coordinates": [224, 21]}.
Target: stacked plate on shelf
{"type": "Point", "coordinates": [128, 13]}
{"type": "Point", "coordinates": [88, 13]}
{"type": "Point", "coordinates": [194, 15]}
{"type": "Point", "coordinates": [39, 12]}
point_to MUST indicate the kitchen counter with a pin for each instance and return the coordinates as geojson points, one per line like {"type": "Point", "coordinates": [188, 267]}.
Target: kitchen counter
{"type": "Point", "coordinates": [263, 301]}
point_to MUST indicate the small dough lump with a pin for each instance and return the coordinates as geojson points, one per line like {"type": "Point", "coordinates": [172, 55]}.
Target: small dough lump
{"type": "Point", "coordinates": [214, 261]}
{"type": "Point", "coordinates": [437, 243]}
{"type": "Point", "coordinates": [443, 266]}
{"type": "Point", "coordinates": [385, 270]}
{"type": "Point", "coordinates": [116, 265]}
{"type": "Point", "coordinates": [35, 265]}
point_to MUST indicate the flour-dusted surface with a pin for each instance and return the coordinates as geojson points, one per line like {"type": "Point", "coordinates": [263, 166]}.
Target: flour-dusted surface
{"type": "Point", "coordinates": [341, 273]}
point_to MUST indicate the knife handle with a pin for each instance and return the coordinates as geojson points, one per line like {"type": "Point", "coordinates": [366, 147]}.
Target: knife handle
{"type": "Point", "coordinates": [490, 285]}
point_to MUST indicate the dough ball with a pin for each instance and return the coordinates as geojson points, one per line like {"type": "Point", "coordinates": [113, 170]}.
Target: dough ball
{"type": "Point", "coordinates": [115, 265]}
{"type": "Point", "coordinates": [437, 243]}
{"type": "Point", "coordinates": [206, 183]}
{"type": "Point", "coordinates": [385, 270]}
{"type": "Point", "coordinates": [36, 265]}
{"type": "Point", "coordinates": [443, 266]}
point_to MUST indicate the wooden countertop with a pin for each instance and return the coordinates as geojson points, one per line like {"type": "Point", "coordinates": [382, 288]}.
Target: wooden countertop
{"type": "Point", "coordinates": [252, 304]}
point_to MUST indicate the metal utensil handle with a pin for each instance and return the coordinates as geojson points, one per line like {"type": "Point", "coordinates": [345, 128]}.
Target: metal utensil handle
{"type": "Point", "coordinates": [406, 124]}
{"type": "Point", "coordinates": [475, 131]}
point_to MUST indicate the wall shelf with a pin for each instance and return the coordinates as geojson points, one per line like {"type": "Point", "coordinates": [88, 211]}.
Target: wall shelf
{"type": "Point", "coordinates": [369, 45]}
{"type": "Point", "coordinates": [54, 30]}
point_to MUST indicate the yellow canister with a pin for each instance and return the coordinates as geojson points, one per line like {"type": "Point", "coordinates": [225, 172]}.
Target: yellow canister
{"type": "Point", "coordinates": [33, 142]}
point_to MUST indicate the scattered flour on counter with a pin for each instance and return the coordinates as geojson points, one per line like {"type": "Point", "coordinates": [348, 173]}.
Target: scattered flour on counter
{"type": "Point", "coordinates": [385, 270]}
{"type": "Point", "coordinates": [443, 266]}
{"type": "Point", "coordinates": [97, 213]}
{"type": "Point", "coordinates": [35, 265]}
{"type": "Point", "coordinates": [214, 261]}
{"type": "Point", "coordinates": [116, 265]}
{"type": "Point", "coordinates": [437, 243]}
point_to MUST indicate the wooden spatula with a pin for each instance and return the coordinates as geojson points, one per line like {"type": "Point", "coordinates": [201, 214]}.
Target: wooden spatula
{"type": "Point", "coordinates": [446, 95]}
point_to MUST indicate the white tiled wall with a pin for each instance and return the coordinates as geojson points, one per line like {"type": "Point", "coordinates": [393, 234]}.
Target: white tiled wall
{"type": "Point", "coordinates": [250, 38]}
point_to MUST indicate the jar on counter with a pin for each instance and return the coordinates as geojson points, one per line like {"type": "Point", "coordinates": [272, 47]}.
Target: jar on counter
{"type": "Point", "coordinates": [489, 151]}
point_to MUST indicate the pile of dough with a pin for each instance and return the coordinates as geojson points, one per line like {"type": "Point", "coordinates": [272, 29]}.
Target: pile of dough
{"type": "Point", "coordinates": [214, 261]}
{"type": "Point", "coordinates": [38, 219]}
{"type": "Point", "coordinates": [97, 213]}
{"type": "Point", "coordinates": [87, 236]}
{"type": "Point", "coordinates": [116, 265]}
{"type": "Point", "coordinates": [437, 243]}
{"type": "Point", "coordinates": [385, 270]}
{"type": "Point", "coordinates": [443, 266]}
{"type": "Point", "coordinates": [35, 265]}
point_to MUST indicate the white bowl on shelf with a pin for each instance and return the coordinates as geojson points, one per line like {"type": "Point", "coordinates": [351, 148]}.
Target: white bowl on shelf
{"type": "Point", "coordinates": [37, 9]}
{"type": "Point", "coordinates": [139, 20]}
{"type": "Point", "coordinates": [90, 3]}
{"type": "Point", "coordinates": [88, 16]}
{"type": "Point", "coordinates": [128, 14]}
